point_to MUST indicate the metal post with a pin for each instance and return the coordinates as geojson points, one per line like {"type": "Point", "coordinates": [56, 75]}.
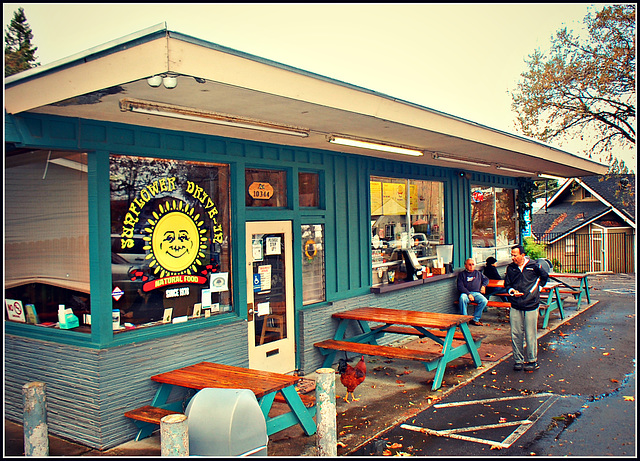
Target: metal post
{"type": "Point", "coordinates": [326, 438]}
{"type": "Point", "coordinates": [36, 431]}
{"type": "Point", "coordinates": [174, 435]}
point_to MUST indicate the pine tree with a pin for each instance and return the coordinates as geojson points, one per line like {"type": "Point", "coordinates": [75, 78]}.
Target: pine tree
{"type": "Point", "coordinates": [19, 53]}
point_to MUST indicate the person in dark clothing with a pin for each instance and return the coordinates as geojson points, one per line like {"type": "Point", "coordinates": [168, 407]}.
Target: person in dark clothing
{"type": "Point", "coordinates": [492, 274]}
{"type": "Point", "coordinates": [522, 281]}
{"type": "Point", "coordinates": [471, 285]}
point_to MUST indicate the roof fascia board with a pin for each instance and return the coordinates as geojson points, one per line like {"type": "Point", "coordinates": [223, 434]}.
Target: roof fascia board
{"type": "Point", "coordinates": [575, 229]}
{"type": "Point", "coordinates": [113, 46]}
{"type": "Point", "coordinates": [189, 57]}
{"type": "Point", "coordinates": [606, 203]}
{"type": "Point", "coordinates": [149, 58]}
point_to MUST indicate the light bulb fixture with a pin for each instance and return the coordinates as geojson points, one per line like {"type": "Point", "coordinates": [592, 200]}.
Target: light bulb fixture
{"type": "Point", "coordinates": [374, 145]}
{"type": "Point", "coordinates": [155, 81]}
{"type": "Point", "coordinates": [436, 156]}
{"type": "Point", "coordinates": [170, 82]}
{"type": "Point", "coordinates": [197, 115]}
{"type": "Point", "coordinates": [513, 170]}
{"type": "Point", "coordinates": [549, 176]}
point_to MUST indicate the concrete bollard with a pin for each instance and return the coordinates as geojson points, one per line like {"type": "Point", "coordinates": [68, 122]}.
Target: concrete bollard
{"type": "Point", "coordinates": [174, 435]}
{"type": "Point", "coordinates": [34, 420]}
{"type": "Point", "coordinates": [326, 438]}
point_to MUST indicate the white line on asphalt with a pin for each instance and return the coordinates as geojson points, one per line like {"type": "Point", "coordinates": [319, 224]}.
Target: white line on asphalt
{"type": "Point", "coordinates": [496, 399]}
{"type": "Point", "coordinates": [523, 425]}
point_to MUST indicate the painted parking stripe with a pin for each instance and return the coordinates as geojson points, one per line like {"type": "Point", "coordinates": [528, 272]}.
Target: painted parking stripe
{"type": "Point", "coordinates": [523, 425]}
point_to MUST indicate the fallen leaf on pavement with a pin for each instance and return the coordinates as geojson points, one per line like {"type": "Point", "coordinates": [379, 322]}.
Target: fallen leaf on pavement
{"type": "Point", "coordinates": [394, 445]}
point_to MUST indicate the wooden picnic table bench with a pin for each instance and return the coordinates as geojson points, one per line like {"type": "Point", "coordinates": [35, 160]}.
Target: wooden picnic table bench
{"type": "Point", "coordinates": [266, 386]}
{"type": "Point", "coordinates": [550, 294]}
{"type": "Point", "coordinates": [403, 322]}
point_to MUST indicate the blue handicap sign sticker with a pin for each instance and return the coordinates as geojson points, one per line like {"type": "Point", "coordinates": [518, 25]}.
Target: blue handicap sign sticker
{"type": "Point", "coordinates": [256, 282]}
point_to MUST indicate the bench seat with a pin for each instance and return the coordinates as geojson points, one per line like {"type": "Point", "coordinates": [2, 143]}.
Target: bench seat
{"type": "Point", "coordinates": [309, 400]}
{"type": "Point", "coordinates": [413, 331]}
{"type": "Point", "coordinates": [149, 414]}
{"type": "Point", "coordinates": [382, 351]}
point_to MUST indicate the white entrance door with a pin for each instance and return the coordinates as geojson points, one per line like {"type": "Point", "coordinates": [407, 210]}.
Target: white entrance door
{"type": "Point", "coordinates": [270, 296]}
{"type": "Point", "coordinates": [597, 251]}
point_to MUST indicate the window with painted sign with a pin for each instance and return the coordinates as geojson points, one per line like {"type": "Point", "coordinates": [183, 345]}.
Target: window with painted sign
{"type": "Point", "coordinates": [175, 215]}
{"type": "Point", "coordinates": [265, 188]}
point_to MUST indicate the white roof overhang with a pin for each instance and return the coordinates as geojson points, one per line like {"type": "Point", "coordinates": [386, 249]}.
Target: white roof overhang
{"type": "Point", "coordinates": [211, 78]}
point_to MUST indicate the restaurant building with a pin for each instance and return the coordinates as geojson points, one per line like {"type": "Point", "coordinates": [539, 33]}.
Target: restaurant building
{"type": "Point", "coordinates": [170, 201]}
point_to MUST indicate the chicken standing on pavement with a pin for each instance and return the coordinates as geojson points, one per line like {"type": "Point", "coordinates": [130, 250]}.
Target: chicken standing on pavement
{"type": "Point", "coordinates": [351, 377]}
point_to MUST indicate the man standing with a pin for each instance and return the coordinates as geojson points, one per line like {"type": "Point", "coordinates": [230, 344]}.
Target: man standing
{"type": "Point", "coordinates": [471, 285]}
{"type": "Point", "coordinates": [522, 281]}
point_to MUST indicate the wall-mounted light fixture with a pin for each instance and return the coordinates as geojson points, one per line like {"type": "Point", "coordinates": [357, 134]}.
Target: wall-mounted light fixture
{"type": "Point", "coordinates": [197, 115]}
{"type": "Point", "coordinates": [549, 176]}
{"type": "Point", "coordinates": [169, 81]}
{"type": "Point", "coordinates": [374, 145]}
{"type": "Point", "coordinates": [445, 158]}
{"type": "Point", "coordinates": [513, 170]}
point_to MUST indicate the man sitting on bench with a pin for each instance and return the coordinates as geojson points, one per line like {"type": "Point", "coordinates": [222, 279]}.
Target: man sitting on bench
{"type": "Point", "coordinates": [471, 285]}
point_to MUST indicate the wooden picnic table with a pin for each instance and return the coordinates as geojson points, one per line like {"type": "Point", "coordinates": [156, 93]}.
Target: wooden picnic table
{"type": "Point", "coordinates": [578, 291]}
{"type": "Point", "coordinates": [264, 384]}
{"type": "Point", "coordinates": [441, 328]}
{"type": "Point", "coordinates": [550, 294]}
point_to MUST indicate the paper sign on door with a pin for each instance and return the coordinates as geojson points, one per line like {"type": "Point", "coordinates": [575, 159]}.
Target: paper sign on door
{"type": "Point", "coordinates": [265, 277]}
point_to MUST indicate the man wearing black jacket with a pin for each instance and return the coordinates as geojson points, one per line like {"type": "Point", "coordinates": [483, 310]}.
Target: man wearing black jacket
{"type": "Point", "coordinates": [523, 280]}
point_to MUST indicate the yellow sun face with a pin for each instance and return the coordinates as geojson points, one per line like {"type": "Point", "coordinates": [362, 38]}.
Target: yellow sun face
{"type": "Point", "coordinates": [176, 239]}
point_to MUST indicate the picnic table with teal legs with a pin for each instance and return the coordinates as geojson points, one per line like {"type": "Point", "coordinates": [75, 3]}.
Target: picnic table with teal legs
{"type": "Point", "coordinates": [421, 323]}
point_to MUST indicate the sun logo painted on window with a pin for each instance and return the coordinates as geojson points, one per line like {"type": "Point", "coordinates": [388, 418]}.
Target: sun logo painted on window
{"type": "Point", "coordinates": [175, 242]}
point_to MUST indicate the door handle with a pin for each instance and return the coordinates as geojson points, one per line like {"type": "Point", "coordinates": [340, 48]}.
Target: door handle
{"type": "Point", "coordinates": [250, 312]}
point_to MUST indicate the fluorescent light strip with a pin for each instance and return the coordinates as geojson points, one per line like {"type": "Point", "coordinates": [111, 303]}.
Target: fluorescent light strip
{"type": "Point", "coordinates": [194, 115]}
{"type": "Point", "coordinates": [374, 146]}
{"type": "Point", "coordinates": [457, 160]}
{"type": "Point", "coordinates": [513, 170]}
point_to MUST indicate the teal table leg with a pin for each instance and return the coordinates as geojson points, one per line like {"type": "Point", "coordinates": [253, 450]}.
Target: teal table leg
{"type": "Point", "coordinates": [471, 344]}
{"type": "Point", "coordinates": [442, 364]}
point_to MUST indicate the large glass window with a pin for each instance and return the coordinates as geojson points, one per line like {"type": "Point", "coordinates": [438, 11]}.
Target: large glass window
{"type": "Point", "coordinates": [494, 222]}
{"type": "Point", "coordinates": [46, 238]}
{"type": "Point", "coordinates": [401, 220]}
{"type": "Point", "coordinates": [313, 282]}
{"type": "Point", "coordinates": [170, 236]}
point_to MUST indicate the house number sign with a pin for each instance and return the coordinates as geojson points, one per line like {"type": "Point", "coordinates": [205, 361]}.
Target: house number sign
{"type": "Point", "coordinates": [261, 190]}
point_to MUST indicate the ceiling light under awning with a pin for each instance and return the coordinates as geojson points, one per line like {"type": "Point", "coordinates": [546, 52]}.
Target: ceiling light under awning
{"type": "Point", "coordinates": [197, 115]}
{"type": "Point", "coordinates": [374, 145]}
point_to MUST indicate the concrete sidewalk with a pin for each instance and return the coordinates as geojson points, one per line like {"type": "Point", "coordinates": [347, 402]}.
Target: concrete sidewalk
{"type": "Point", "coordinates": [393, 391]}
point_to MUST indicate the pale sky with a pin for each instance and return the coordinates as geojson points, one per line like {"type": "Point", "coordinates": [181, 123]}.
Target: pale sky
{"type": "Point", "coordinates": [461, 59]}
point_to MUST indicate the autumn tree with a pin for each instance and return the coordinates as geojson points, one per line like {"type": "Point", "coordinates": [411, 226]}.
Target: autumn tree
{"type": "Point", "coordinates": [19, 53]}
{"type": "Point", "coordinates": [585, 87]}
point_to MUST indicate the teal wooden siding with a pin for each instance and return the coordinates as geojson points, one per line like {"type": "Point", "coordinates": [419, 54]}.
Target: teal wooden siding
{"type": "Point", "coordinates": [93, 379]}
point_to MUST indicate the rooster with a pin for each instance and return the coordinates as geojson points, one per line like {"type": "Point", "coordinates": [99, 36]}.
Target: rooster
{"type": "Point", "coordinates": [351, 377]}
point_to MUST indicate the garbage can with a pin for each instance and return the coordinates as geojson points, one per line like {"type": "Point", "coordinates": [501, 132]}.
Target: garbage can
{"type": "Point", "coordinates": [226, 422]}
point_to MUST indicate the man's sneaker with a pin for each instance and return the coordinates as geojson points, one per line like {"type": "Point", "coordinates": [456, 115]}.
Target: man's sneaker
{"type": "Point", "coordinates": [531, 366]}
{"type": "Point", "coordinates": [518, 366]}
{"type": "Point", "coordinates": [476, 323]}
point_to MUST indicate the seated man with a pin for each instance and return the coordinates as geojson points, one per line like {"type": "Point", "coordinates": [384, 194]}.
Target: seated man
{"type": "Point", "coordinates": [471, 285]}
